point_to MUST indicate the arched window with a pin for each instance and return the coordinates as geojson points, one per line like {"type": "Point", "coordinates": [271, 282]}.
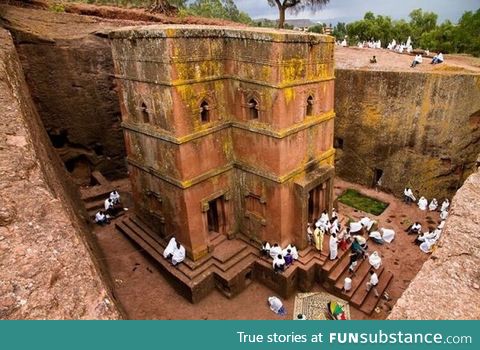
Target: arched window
{"type": "Point", "coordinates": [204, 112]}
{"type": "Point", "coordinates": [253, 108]}
{"type": "Point", "coordinates": [145, 115]}
{"type": "Point", "coordinates": [309, 105]}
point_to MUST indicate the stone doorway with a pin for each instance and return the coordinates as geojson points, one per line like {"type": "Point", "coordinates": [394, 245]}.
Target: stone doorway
{"type": "Point", "coordinates": [317, 202]}
{"type": "Point", "coordinates": [216, 216]}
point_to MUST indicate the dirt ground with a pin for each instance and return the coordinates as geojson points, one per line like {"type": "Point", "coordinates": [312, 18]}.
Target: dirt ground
{"type": "Point", "coordinates": [145, 293]}
{"type": "Point", "coordinates": [359, 58]}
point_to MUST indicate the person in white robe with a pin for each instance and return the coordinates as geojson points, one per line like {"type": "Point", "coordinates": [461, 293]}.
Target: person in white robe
{"type": "Point", "coordinates": [415, 228]}
{"type": "Point", "coordinates": [408, 195]}
{"type": "Point", "coordinates": [293, 251]}
{"type": "Point", "coordinates": [323, 220]}
{"type": "Point", "coordinates": [347, 284]}
{"type": "Point", "coordinates": [334, 226]}
{"type": "Point", "coordinates": [355, 227]}
{"type": "Point", "coordinates": [333, 245]}
{"type": "Point", "coordinates": [444, 215]}
{"type": "Point", "coordinates": [301, 317]}
{"type": "Point", "coordinates": [422, 203]}
{"type": "Point", "coordinates": [275, 250]}
{"type": "Point", "coordinates": [167, 253]}
{"type": "Point", "coordinates": [278, 263]}
{"type": "Point", "coordinates": [276, 305]}
{"type": "Point", "coordinates": [334, 214]}
{"type": "Point", "coordinates": [344, 43]}
{"type": "Point", "coordinates": [388, 235]}
{"type": "Point", "coordinates": [433, 205]}
{"type": "Point", "coordinates": [367, 223]}
{"type": "Point", "coordinates": [375, 260]}
{"type": "Point", "coordinates": [445, 205]}
{"type": "Point", "coordinates": [178, 254]}
{"type": "Point", "coordinates": [441, 225]}
{"type": "Point", "coordinates": [101, 218]}
{"type": "Point", "coordinates": [417, 60]}
{"type": "Point", "coordinates": [265, 250]}
{"type": "Point", "coordinates": [409, 41]}
{"type": "Point", "coordinates": [115, 197]}
{"type": "Point", "coordinates": [430, 241]}
{"type": "Point", "coordinates": [376, 236]}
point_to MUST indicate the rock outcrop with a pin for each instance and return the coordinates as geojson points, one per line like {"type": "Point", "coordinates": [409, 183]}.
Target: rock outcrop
{"type": "Point", "coordinates": [68, 65]}
{"type": "Point", "coordinates": [448, 285]}
{"type": "Point", "coordinates": [419, 128]}
{"type": "Point", "coordinates": [46, 265]}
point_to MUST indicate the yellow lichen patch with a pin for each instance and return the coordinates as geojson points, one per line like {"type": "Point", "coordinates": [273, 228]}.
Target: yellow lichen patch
{"type": "Point", "coordinates": [289, 94]}
{"type": "Point", "coordinates": [371, 116]}
{"type": "Point", "coordinates": [293, 70]}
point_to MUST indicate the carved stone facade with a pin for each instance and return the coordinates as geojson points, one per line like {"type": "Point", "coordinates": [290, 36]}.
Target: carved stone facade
{"type": "Point", "coordinates": [227, 130]}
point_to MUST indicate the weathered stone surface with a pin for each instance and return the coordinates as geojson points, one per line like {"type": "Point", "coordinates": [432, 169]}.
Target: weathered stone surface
{"type": "Point", "coordinates": [69, 70]}
{"type": "Point", "coordinates": [265, 141]}
{"type": "Point", "coordinates": [421, 129]}
{"type": "Point", "coordinates": [46, 268]}
{"type": "Point", "coordinates": [447, 285]}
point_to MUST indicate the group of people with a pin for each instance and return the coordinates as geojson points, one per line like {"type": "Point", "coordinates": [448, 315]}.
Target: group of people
{"type": "Point", "coordinates": [174, 252]}
{"type": "Point", "coordinates": [426, 240]}
{"type": "Point", "coordinates": [371, 44]}
{"type": "Point", "coordinates": [282, 258]}
{"type": "Point", "coordinates": [112, 206]}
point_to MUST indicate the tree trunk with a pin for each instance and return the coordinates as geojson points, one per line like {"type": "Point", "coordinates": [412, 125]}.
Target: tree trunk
{"type": "Point", "coordinates": [281, 20]}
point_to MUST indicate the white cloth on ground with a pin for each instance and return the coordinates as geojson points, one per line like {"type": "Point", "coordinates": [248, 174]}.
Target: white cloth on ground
{"type": "Point", "coordinates": [375, 260]}
{"type": "Point", "coordinates": [388, 235]}
{"type": "Point", "coordinates": [172, 244]}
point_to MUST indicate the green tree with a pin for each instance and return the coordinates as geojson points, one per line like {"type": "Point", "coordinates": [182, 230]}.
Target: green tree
{"type": "Point", "coordinates": [422, 22]}
{"type": "Point", "coordinates": [225, 9]}
{"type": "Point", "coordinates": [295, 6]}
{"type": "Point", "coordinates": [339, 31]}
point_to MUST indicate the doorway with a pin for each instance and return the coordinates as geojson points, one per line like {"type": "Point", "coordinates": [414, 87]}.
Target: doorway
{"type": "Point", "coordinates": [216, 216]}
{"type": "Point", "coordinates": [317, 202]}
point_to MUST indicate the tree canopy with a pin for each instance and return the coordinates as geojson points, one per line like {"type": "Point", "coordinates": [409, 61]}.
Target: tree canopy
{"type": "Point", "coordinates": [295, 6]}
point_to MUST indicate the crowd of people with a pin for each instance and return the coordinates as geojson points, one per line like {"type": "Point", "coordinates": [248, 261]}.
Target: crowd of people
{"type": "Point", "coordinates": [426, 240]}
{"type": "Point", "coordinates": [112, 207]}
{"type": "Point", "coordinates": [282, 258]}
{"type": "Point", "coordinates": [396, 47]}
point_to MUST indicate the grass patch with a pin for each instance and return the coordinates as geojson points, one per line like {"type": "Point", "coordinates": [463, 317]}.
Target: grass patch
{"type": "Point", "coordinates": [356, 200]}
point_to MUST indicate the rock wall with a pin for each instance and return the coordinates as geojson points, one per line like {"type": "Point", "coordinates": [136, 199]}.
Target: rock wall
{"type": "Point", "coordinates": [69, 70]}
{"type": "Point", "coordinates": [46, 265]}
{"type": "Point", "coordinates": [447, 286]}
{"type": "Point", "coordinates": [417, 129]}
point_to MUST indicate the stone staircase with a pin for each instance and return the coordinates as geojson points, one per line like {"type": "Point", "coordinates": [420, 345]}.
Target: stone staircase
{"type": "Point", "coordinates": [232, 264]}
{"type": "Point", "coordinates": [228, 267]}
{"type": "Point", "coordinates": [94, 197]}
